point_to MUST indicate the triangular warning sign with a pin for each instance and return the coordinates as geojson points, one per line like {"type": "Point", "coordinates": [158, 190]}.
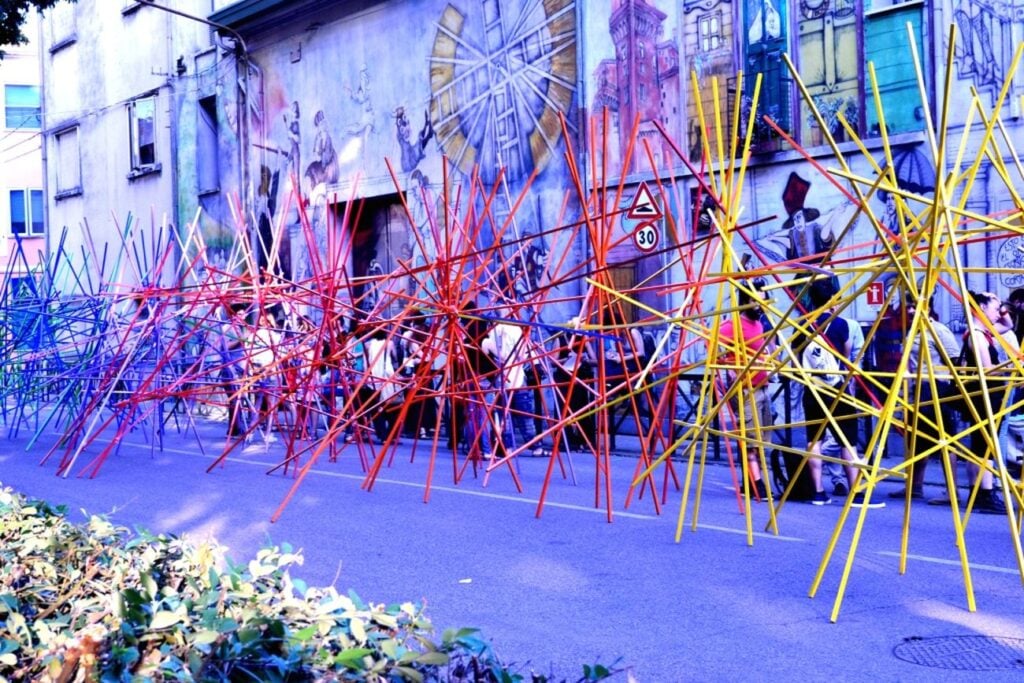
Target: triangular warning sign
{"type": "Point", "coordinates": [644, 207]}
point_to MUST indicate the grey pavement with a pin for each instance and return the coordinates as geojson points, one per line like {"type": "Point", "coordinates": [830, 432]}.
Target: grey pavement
{"type": "Point", "coordinates": [569, 588]}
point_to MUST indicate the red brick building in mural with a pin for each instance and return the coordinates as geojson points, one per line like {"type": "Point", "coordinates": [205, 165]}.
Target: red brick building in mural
{"type": "Point", "coordinates": [641, 83]}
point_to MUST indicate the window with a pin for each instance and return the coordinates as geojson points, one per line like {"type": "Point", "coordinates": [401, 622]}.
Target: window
{"type": "Point", "coordinates": [710, 27]}
{"type": "Point", "coordinates": [68, 166]}
{"type": "Point", "coordinates": [885, 45]}
{"type": "Point", "coordinates": [142, 134]}
{"type": "Point", "coordinates": [764, 40]}
{"type": "Point", "coordinates": [830, 64]}
{"type": "Point", "coordinates": [62, 25]}
{"type": "Point", "coordinates": [21, 107]}
{"type": "Point", "coordinates": [27, 213]}
{"type": "Point", "coordinates": [207, 146]}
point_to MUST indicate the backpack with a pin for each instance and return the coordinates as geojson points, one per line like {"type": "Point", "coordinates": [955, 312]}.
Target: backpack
{"type": "Point", "coordinates": [823, 361]}
{"type": "Point", "coordinates": [782, 466]}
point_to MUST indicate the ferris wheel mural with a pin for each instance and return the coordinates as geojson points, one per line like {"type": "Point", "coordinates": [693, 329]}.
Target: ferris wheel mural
{"type": "Point", "coordinates": [499, 78]}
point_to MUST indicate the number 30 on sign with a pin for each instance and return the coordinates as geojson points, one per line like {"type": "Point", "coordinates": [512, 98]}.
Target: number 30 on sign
{"type": "Point", "coordinates": [645, 237]}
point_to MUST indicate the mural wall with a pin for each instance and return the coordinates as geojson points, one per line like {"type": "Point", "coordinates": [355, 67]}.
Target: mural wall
{"type": "Point", "coordinates": [631, 59]}
{"type": "Point", "coordinates": [355, 109]}
{"type": "Point", "coordinates": [486, 84]}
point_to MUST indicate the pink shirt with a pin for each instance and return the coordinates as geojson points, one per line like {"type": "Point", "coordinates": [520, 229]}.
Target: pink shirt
{"type": "Point", "coordinates": [754, 339]}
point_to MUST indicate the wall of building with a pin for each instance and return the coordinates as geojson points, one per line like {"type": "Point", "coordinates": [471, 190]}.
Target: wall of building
{"type": "Point", "coordinates": [21, 159]}
{"type": "Point", "coordinates": [115, 73]}
{"type": "Point", "coordinates": [367, 105]}
{"type": "Point", "coordinates": [361, 102]}
{"type": "Point", "coordinates": [830, 45]}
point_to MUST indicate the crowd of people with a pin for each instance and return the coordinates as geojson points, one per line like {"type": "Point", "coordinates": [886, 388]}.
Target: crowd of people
{"type": "Point", "coordinates": [490, 384]}
{"type": "Point", "coordinates": [485, 381]}
{"type": "Point", "coordinates": [947, 385]}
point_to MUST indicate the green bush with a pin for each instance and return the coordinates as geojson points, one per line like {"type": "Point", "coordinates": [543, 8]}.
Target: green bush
{"type": "Point", "coordinates": [92, 602]}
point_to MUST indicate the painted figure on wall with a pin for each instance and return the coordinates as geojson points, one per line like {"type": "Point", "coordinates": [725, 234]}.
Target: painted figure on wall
{"type": "Point", "coordinates": [536, 259]}
{"type": "Point", "coordinates": [324, 168]}
{"type": "Point", "coordinates": [322, 172]}
{"type": "Point", "coordinates": [266, 208]}
{"type": "Point", "coordinates": [807, 234]}
{"type": "Point", "coordinates": [807, 237]}
{"type": "Point", "coordinates": [374, 281]}
{"type": "Point", "coordinates": [294, 139]}
{"type": "Point", "coordinates": [364, 125]}
{"type": "Point", "coordinates": [766, 24]}
{"type": "Point", "coordinates": [977, 57]}
{"type": "Point", "coordinates": [412, 152]}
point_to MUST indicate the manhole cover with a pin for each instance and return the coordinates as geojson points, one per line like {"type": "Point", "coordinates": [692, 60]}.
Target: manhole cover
{"type": "Point", "coordinates": [964, 653]}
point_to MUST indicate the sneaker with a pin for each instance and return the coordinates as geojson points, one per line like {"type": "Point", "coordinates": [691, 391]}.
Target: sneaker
{"type": "Point", "coordinates": [760, 490]}
{"type": "Point", "coordinates": [989, 503]}
{"type": "Point", "coordinates": [915, 493]}
{"type": "Point", "coordinates": [820, 498]}
{"type": "Point", "coordinates": [860, 502]}
{"type": "Point", "coordinates": [839, 490]}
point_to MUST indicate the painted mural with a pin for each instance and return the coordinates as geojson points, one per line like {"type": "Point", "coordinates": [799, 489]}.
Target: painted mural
{"type": "Point", "coordinates": [830, 64]}
{"type": "Point", "coordinates": [707, 33]}
{"type": "Point", "coordinates": [989, 32]}
{"type": "Point", "coordinates": [633, 70]}
{"type": "Point", "coordinates": [485, 87]}
{"type": "Point", "coordinates": [342, 110]}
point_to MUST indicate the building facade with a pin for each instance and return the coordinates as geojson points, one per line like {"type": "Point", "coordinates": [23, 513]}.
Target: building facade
{"type": "Point", "coordinates": [116, 76]}
{"type": "Point", "coordinates": [22, 205]}
{"type": "Point", "coordinates": [302, 110]}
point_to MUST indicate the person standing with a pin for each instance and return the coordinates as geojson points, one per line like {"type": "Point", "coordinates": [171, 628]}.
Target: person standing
{"type": "Point", "coordinates": [744, 346]}
{"type": "Point", "coordinates": [383, 392]}
{"type": "Point", "coordinates": [508, 344]}
{"type": "Point", "coordinates": [831, 447]}
{"type": "Point", "coordinates": [830, 340]}
{"type": "Point", "coordinates": [573, 374]}
{"type": "Point", "coordinates": [937, 338]}
{"type": "Point", "coordinates": [980, 350]}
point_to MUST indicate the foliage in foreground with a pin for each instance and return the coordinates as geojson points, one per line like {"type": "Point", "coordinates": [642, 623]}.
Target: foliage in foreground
{"type": "Point", "coordinates": [91, 602]}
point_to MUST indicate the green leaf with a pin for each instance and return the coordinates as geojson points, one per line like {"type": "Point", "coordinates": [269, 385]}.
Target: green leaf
{"type": "Point", "coordinates": [164, 619]}
{"type": "Point", "coordinates": [353, 657]}
{"type": "Point", "coordinates": [358, 630]}
{"type": "Point", "coordinates": [385, 620]}
{"type": "Point", "coordinates": [305, 634]}
{"type": "Point", "coordinates": [410, 673]}
{"type": "Point", "coordinates": [205, 637]}
{"type": "Point", "coordinates": [433, 659]}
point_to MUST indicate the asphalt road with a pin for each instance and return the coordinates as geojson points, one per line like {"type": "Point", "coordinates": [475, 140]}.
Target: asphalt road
{"type": "Point", "coordinates": [567, 588]}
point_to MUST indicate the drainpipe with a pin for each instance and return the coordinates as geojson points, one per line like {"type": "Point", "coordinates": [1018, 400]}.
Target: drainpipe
{"type": "Point", "coordinates": [44, 143]}
{"type": "Point", "coordinates": [244, 65]}
{"type": "Point", "coordinates": [175, 179]}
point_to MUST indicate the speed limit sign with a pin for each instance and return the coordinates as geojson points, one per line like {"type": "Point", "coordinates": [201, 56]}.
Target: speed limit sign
{"type": "Point", "coordinates": [645, 237]}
